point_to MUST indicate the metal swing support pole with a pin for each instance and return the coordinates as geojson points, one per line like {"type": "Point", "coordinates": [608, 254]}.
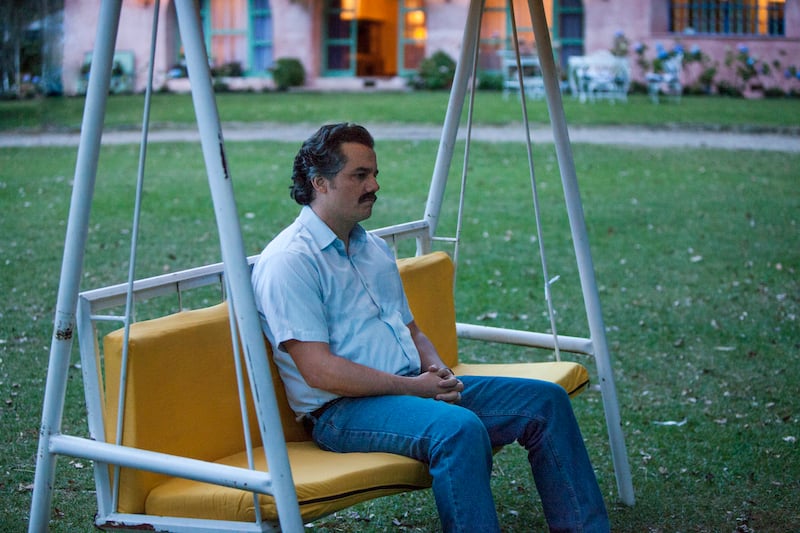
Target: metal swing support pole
{"type": "Point", "coordinates": [449, 136]}
{"type": "Point", "coordinates": [583, 255]}
{"type": "Point", "coordinates": [51, 441]}
{"type": "Point", "coordinates": [72, 264]}
{"type": "Point", "coordinates": [237, 270]}
{"type": "Point", "coordinates": [574, 211]}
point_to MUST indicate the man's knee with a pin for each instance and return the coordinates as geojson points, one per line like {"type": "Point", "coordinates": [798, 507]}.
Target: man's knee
{"type": "Point", "coordinates": [464, 427]}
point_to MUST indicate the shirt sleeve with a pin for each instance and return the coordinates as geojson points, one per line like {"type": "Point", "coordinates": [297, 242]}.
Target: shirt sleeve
{"type": "Point", "coordinates": [291, 299]}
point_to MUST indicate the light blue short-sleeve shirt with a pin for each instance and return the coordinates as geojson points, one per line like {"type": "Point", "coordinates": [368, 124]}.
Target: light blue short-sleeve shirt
{"type": "Point", "coordinates": [309, 288]}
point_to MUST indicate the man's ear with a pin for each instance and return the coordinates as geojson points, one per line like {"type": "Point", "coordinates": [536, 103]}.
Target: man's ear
{"type": "Point", "coordinates": [320, 184]}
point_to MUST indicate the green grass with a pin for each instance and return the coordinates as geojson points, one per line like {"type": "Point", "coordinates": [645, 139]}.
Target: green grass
{"type": "Point", "coordinates": [697, 254]}
{"type": "Point", "coordinates": [406, 107]}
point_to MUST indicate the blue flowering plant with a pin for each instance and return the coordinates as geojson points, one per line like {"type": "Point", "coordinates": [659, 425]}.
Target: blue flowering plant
{"type": "Point", "coordinates": [662, 55]}
{"type": "Point", "coordinates": [620, 44]}
{"type": "Point", "coordinates": [760, 75]}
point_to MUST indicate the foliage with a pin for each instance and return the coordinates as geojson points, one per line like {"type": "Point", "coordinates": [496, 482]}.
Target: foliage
{"type": "Point", "coordinates": [656, 64]}
{"type": "Point", "coordinates": [436, 72]}
{"type": "Point", "coordinates": [24, 69]}
{"type": "Point", "coordinates": [620, 45]}
{"type": "Point", "coordinates": [116, 69]}
{"type": "Point", "coordinates": [755, 74]}
{"type": "Point", "coordinates": [232, 69]}
{"type": "Point", "coordinates": [288, 72]}
{"type": "Point", "coordinates": [489, 81]}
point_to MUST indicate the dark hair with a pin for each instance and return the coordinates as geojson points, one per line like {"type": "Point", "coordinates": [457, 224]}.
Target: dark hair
{"type": "Point", "coordinates": [321, 155]}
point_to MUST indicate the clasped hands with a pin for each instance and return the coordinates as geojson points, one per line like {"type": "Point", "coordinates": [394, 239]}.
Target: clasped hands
{"type": "Point", "coordinates": [447, 386]}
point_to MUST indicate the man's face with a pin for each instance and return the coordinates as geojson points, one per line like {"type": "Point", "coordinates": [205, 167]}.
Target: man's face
{"type": "Point", "coordinates": [348, 197]}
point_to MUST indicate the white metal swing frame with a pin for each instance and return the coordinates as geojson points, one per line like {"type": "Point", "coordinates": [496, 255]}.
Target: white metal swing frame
{"type": "Point", "coordinates": [235, 266]}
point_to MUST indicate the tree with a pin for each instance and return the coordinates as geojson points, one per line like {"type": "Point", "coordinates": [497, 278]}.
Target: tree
{"type": "Point", "coordinates": [26, 43]}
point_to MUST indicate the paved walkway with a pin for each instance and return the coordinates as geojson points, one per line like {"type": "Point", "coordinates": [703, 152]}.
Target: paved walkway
{"type": "Point", "coordinates": [620, 136]}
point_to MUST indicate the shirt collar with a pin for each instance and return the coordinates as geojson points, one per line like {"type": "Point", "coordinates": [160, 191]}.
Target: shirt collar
{"type": "Point", "coordinates": [323, 235]}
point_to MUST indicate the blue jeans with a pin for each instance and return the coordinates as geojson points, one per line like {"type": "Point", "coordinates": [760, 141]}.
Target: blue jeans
{"type": "Point", "coordinates": [456, 442]}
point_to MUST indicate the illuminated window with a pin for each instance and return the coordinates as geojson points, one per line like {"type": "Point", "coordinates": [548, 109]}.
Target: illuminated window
{"type": "Point", "coordinates": [728, 17]}
{"type": "Point", "coordinates": [415, 33]}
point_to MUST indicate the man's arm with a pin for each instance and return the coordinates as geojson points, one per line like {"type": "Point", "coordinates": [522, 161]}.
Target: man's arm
{"type": "Point", "coordinates": [324, 370]}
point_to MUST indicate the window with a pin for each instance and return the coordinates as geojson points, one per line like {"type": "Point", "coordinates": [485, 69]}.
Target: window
{"type": "Point", "coordinates": [568, 29]}
{"type": "Point", "coordinates": [225, 24]}
{"type": "Point", "coordinates": [728, 17]}
{"type": "Point", "coordinates": [414, 33]}
{"type": "Point", "coordinates": [261, 41]}
{"type": "Point", "coordinates": [238, 35]}
{"type": "Point", "coordinates": [339, 50]}
{"type": "Point", "coordinates": [497, 36]}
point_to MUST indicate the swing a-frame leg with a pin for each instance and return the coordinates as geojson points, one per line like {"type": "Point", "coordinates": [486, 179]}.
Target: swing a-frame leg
{"type": "Point", "coordinates": [273, 490]}
{"type": "Point", "coordinates": [596, 344]}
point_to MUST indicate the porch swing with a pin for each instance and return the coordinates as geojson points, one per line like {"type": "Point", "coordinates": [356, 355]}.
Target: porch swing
{"type": "Point", "coordinates": [178, 441]}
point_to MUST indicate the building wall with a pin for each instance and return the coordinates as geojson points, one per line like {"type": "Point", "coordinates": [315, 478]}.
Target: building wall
{"type": "Point", "coordinates": [645, 23]}
{"type": "Point", "coordinates": [133, 35]}
{"type": "Point", "coordinates": [298, 33]}
{"type": "Point", "coordinates": [446, 19]}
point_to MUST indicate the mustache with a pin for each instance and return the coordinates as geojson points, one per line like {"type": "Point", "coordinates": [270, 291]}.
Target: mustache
{"type": "Point", "coordinates": [370, 196]}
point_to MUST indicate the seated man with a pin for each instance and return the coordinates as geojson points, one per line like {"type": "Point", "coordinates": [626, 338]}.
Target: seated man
{"type": "Point", "coordinates": [364, 376]}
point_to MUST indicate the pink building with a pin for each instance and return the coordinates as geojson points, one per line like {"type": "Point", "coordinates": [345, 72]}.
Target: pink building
{"type": "Point", "coordinates": [351, 44]}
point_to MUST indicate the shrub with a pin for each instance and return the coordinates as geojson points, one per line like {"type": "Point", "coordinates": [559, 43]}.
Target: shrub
{"type": "Point", "coordinates": [488, 81]}
{"type": "Point", "coordinates": [435, 72]}
{"type": "Point", "coordinates": [288, 72]}
{"type": "Point", "coordinates": [228, 70]}
{"type": "Point", "coordinates": [774, 92]}
{"type": "Point", "coordinates": [726, 88]}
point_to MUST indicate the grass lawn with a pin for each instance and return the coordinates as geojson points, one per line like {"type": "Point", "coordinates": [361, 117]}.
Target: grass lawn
{"type": "Point", "coordinates": [406, 107]}
{"type": "Point", "coordinates": [697, 254]}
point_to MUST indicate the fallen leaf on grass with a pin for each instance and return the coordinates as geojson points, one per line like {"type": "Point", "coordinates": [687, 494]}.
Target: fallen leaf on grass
{"type": "Point", "coordinates": [670, 422]}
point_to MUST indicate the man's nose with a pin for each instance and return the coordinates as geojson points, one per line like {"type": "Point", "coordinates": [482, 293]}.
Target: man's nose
{"type": "Point", "coordinates": [373, 183]}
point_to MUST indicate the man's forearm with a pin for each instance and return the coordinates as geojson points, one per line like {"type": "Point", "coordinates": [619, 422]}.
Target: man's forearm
{"type": "Point", "coordinates": [324, 370]}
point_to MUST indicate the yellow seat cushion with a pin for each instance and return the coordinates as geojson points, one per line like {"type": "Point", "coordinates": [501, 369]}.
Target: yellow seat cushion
{"type": "Point", "coordinates": [572, 376]}
{"type": "Point", "coordinates": [325, 482]}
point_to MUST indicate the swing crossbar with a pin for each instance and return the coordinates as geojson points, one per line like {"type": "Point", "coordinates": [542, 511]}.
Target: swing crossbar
{"type": "Point", "coordinates": [531, 339]}
{"type": "Point", "coordinates": [162, 463]}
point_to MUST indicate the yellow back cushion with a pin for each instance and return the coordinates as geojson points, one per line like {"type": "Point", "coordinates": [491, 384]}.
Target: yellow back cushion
{"type": "Point", "coordinates": [182, 397]}
{"type": "Point", "coordinates": [428, 282]}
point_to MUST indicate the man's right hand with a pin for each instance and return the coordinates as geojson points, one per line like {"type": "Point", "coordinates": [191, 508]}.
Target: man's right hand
{"type": "Point", "coordinates": [446, 387]}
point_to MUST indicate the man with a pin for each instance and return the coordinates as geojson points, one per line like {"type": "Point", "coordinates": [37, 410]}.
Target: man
{"type": "Point", "coordinates": [365, 378]}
